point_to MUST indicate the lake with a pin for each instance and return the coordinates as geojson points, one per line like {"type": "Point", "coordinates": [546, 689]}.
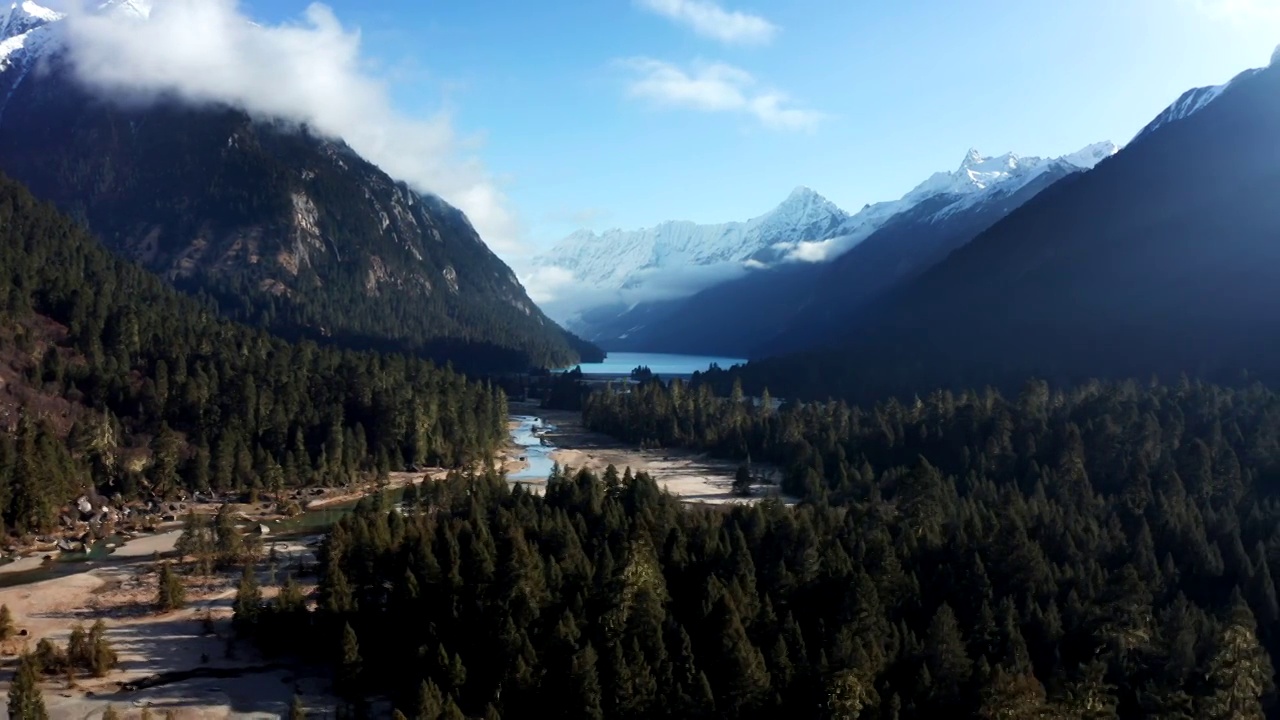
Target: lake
{"type": "Point", "coordinates": [621, 364]}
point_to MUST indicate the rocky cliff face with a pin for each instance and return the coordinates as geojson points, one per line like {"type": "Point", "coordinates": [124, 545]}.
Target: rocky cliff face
{"type": "Point", "coordinates": [276, 224]}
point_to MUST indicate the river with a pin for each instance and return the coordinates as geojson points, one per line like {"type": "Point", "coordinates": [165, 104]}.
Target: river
{"type": "Point", "coordinates": [525, 433]}
{"type": "Point", "coordinates": [525, 430]}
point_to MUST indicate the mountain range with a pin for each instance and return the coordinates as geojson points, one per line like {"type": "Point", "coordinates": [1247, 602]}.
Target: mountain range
{"type": "Point", "coordinates": [270, 221]}
{"type": "Point", "coordinates": [746, 283]}
{"type": "Point", "coordinates": [1162, 260]}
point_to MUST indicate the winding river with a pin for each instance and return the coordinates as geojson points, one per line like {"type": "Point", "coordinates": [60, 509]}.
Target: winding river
{"type": "Point", "coordinates": [525, 431]}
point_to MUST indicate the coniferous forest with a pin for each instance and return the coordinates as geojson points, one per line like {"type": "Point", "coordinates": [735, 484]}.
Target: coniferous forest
{"type": "Point", "coordinates": [114, 381]}
{"type": "Point", "coordinates": [1099, 553]}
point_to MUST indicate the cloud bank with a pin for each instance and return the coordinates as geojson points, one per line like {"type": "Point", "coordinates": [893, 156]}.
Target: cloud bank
{"type": "Point", "coordinates": [308, 71]}
{"type": "Point", "coordinates": [716, 87]}
{"type": "Point", "coordinates": [710, 20]}
{"type": "Point", "coordinates": [563, 297]}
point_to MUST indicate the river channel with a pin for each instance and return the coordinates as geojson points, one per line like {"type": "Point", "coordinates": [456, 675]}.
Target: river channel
{"type": "Point", "coordinates": [526, 434]}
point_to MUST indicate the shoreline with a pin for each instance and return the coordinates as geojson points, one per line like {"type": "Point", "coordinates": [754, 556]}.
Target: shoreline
{"type": "Point", "coordinates": [696, 478]}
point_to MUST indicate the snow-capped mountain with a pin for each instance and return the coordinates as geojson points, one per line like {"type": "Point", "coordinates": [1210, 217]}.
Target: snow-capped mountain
{"type": "Point", "coordinates": [24, 33]}
{"type": "Point", "coordinates": [1197, 99]}
{"type": "Point", "coordinates": [619, 259]}
{"type": "Point", "coordinates": [618, 269]}
{"type": "Point", "coordinates": [29, 32]}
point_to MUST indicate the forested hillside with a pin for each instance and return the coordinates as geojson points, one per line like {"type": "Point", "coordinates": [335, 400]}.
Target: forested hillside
{"type": "Point", "coordinates": [1102, 553]}
{"type": "Point", "coordinates": [278, 226]}
{"type": "Point", "coordinates": [110, 378]}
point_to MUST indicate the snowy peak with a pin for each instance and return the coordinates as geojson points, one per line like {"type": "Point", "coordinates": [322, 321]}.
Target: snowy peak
{"type": "Point", "coordinates": [802, 208]}
{"type": "Point", "coordinates": [23, 17]}
{"type": "Point", "coordinates": [134, 8]}
{"type": "Point", "coordinates": [1195, 100]}
{"type": "Point", "coordinates": [982, 171]}
{"type": "Point", "coordinates": [1090, 156]}
{"type": "Point", "coordinates": [24, 32]}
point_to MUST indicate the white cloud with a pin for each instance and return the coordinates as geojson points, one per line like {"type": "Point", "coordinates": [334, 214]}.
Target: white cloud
{"type": "Point", "coordinates": [708, 19]}
{"type": "Point", "coordinates": [716, 87]}
{"type": "Point", "coordinates": [564, 297]}
{"type": "Point", "coordinates": [308, 71]}
{"type": "Point", "coordinates": [546, 284]}
{"type": "Point", "coordinates": [816, 251]}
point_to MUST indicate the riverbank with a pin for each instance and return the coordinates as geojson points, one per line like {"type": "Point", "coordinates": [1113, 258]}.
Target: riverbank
{"type": "Point", "coordinates": [195, 640]}
{"type": "Point", "coordinates": [693, 477]}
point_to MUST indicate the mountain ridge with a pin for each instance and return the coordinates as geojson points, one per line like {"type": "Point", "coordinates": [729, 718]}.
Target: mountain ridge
{"type": "Point", "coordinates": [615, 265]}
{"type": "Point", "coordinates": [1161, 261]}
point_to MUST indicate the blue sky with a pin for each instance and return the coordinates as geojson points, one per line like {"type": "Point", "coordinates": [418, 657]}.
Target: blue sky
{"type": "Point", "coordinates": [624, 113]}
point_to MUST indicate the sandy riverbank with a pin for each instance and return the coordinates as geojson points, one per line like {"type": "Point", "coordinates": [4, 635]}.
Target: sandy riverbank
{"type": "Point", "coordinates": [694, 477]}
{"type": "Point", "coordinates": [121, 595]}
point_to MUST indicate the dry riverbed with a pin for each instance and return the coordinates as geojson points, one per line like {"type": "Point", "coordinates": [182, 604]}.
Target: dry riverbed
{"type": "Point", "coordinates": [121, 589]}
{"type": "Point", "coordinates": [122, 595]}
{"type": "Point", "coordinates": [693, 477]}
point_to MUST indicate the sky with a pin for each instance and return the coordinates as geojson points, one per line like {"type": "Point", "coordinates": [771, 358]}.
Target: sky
{"type": "Point", "coordinates": [542, 118]}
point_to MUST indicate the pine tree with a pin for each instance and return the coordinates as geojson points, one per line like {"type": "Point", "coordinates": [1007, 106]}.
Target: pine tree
{"type": "Point", "coordinates": [103, 658]}
{"type": "Point", "coordinates": [25, 700]}
{"type": "Point", "coordinates": [351, 667]}
{"type": "Point", "coordinates": [1091, 697]}
{"type": "Point", "coordinates": [1240, 671]}
{"type": "Point", "coordinates": [196, 542]}
{"type": "Point", "coordinates": [248, 603]}
{"type": "Point", "coordinates": [1014, 696]}
{"type": "Point", "coordinates": [848, 695]}
{"type": "Point", "coordinates": [745, 680]}
{"type": "Point", "coordinates": [229, 545]}
{"type": "Point", "coordinates": [430, 701]}
{"type": "Point", "coordinates": [946, 659]}
{"type": "Point", "coordinates": [171, 595]}
{"type": "Point", "coordinates": [7, 628]}
{"type": "Point", "coordinates": [451, 710]}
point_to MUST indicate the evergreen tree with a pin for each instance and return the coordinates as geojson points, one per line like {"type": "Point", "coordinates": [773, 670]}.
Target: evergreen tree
{"type": "Point", "coordinates": [1240, 671]}
{"type": "Point", "coordinates": [25, 700]}
{"type": "Point", "coordinates": [430, 702]}
{"type": "Point", "coordinates": [102, 657]}
{"type": "Point", "coordinates": [351, 666]}
{"type": "Point", "coordinates": [248, 603]}
{"type": "Point", "coordinates": [7, 628]}
{"type": "Point", "coordinates": [171, 594]}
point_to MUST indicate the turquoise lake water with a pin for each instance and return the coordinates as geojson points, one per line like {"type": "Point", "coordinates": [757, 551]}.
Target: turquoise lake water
{"type": "Point", "coordinates": [663, 365]}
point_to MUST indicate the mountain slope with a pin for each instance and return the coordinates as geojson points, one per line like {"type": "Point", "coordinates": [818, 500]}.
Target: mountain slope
{"type": "Point", "coordinates": [112, 381]}
{"type": "Point", "coordinates": [1163, 260]}
{"type": "Point", "coordinates": [792, 305]}
{"type": "Point", "coordinates": [279, 226]}
{"type": "Point", "coordinates": [677, 258]}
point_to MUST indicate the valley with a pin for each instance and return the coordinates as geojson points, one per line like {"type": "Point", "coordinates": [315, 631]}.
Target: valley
{"type": "Point", "coordinates": [306, 413]}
